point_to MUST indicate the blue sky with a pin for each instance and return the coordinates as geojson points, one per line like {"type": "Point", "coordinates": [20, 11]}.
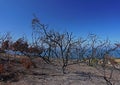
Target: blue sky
{"type": "Point", "coordinates": [101, 17]}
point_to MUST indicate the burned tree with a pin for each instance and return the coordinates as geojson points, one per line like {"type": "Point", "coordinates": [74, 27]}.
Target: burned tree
{"type": "Point", "coordinates": [96, 48]}
{"type": "Point", "coordinates": [80, 49]}
{"type": "Point", "coordinates": [20, 45]}
{"type": "Point", "coordinates": [5, 41]}
{"type": "Point", "coordinates": [62, 42]}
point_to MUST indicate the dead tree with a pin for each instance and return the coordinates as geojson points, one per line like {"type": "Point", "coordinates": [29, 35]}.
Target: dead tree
{"type": "Point", "coordinates": [55, 40]}
{"type": "Point", "coordinates": [81, 47]}
{"type": "Point", "coordinates": [108, 58]}
{"type": "Point", "coordinates": [95, 45]}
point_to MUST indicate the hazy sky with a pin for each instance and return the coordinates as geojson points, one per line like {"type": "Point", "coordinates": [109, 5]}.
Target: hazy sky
{"type": "Point", "coordinates": [81, 17]}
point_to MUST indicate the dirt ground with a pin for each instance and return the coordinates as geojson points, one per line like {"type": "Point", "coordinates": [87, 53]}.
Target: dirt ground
{"type": "Point", "coordinates": [49, 74]}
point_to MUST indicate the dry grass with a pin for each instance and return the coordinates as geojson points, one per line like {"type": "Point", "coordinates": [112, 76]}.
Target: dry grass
{"type": "Point", "coordinates": [117, 60]}
{"type": "Point", "coordinates": [26, 62]}
{"type": "Point", "coordinates": [1, 68]}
